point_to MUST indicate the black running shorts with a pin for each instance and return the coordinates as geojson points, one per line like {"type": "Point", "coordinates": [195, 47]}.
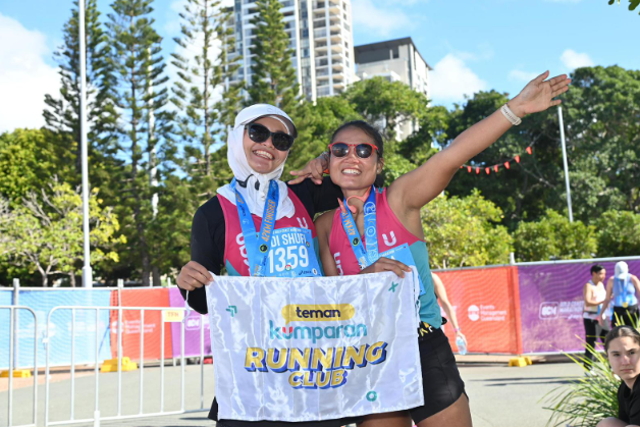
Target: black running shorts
{"type": "Point", "coordinates": [441, 381]}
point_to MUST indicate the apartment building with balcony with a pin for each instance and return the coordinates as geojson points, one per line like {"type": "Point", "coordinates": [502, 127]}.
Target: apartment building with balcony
{"type": "Point", "coordinates": [395, 60]}
{"type": "Point", "coordinates": [320, 35]}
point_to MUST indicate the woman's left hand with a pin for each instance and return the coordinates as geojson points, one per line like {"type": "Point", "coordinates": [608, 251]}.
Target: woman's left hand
{"type": "Point", "coordinates": [539, 94]}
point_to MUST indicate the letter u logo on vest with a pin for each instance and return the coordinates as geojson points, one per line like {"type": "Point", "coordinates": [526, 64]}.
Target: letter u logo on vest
{"type": "Point", "coordinates": [393, 239]}
{"type": "Point", "coordinates": [301, 221]}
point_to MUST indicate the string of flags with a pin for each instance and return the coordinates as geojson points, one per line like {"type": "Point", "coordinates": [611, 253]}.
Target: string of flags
{"type": "Point", "coordinates": [495, 168]}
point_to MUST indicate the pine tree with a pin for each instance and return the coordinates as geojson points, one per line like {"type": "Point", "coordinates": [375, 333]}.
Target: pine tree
{"type": "Point", "coordinates": [204, 92]}
{"type": "Point", "coordinates": [273, 78]}
{"type": "Point", "coordinates": [62, 114]}
{"type": "Point", "coordinates": [136, 55]}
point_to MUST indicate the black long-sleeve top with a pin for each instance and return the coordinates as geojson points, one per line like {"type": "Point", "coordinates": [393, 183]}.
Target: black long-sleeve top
{"type": "Point", "coordinates": [208, 229]}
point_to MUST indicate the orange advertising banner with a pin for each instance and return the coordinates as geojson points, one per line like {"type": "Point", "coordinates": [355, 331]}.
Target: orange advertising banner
{"type": "Point", "coordinates": [132, 325]}
{"type": "Point", "coordinates": [487, 305]}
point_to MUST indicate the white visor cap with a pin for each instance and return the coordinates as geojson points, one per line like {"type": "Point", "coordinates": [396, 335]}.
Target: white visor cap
{"type": "Point", "coordinates": [621, 270]}
{"type": "Point", "coordinates": [254, 112]}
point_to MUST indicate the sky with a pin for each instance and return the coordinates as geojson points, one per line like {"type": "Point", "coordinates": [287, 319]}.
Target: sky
{"type": "Point", "coordinates": [471, 45]}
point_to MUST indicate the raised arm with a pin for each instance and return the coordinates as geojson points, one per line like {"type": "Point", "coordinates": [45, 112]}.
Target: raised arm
{"type": "Point", "coordinates": [415, 189]}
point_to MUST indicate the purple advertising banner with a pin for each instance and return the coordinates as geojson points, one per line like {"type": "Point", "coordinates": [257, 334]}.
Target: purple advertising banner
{"type": "Point", "coordinates": [551, 304]}
{"type": "Point", "coordinates": [192, 338]}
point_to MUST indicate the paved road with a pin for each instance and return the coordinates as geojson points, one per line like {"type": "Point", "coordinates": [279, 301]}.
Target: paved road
{"type": "Point", "coordinates": [500, 396]}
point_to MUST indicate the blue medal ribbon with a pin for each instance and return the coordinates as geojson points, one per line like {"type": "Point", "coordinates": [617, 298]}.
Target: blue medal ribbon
{"type": "Point", "coordinates": [367, 256]}
{"type": "Point", "coordinates": [257, 243]}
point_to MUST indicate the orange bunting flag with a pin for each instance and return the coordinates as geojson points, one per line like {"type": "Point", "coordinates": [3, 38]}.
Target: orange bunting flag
{"type": "Point", "coordinates": [469, 169]}
{"type": "Point", "coordinates": [506, 165]}
{"type": "Point", "coordinates": [495, 168]}
{"type": "Point", "coordinates": [518, 159]}
{"type": "Point", "coordinates": [529, 150]}
{"type": "Point", "coordinates": [487, 170]}
{"type": "Point", "coordinates": [477, 171]}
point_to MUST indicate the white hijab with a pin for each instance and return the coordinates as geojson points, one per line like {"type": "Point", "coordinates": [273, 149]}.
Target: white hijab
{"type": "Point", "coordinates": [254, 186]}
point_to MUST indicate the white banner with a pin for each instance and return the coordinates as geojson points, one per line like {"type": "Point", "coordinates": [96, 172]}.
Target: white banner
{"type": "Point", "coordinates": [310, 349]}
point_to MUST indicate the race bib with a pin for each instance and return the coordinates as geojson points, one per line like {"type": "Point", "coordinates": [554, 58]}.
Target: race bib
{"type": "Point", "coordinates": [292, 254]}
{"type": "Point", "coordinates": [403, 254]}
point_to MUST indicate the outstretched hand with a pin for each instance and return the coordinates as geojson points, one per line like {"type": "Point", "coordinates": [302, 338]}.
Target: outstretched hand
{"type": "Point", "coordinates": [539, 94]}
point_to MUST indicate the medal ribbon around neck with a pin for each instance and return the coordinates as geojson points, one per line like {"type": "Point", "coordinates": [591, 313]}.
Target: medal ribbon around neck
{"type": "Point", "coordinates": [367, 256]}
{"type": "Point", "coordinates": [257, 243]}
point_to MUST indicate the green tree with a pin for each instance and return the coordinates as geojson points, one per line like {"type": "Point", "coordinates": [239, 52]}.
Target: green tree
{"type": "Point", "coordinates": [316, 124]}
{"type": "Point", "coordinates": [464, 232]}
{"type": "Point", "coordinates": [62, 114]}
{"type": "Point", "coordinates": [553, 236]}
{"type": "Point", "coordinates": [206, 112]}
{"type": "Point", "coordinates": [44, 233]}
{"type": "Point", "coordinates": [603, 147]}
{"type": "Point", "coordinates": [632, 3]}
{"type": "Point", "coordinates": [147, 129]}
{"type": "Point", "coordinates": [527, 188]}
{"type": "Point", "coordinates": [386, 104]}
{"type": "Point", "coordinates": [618, 234]}
{"type": "Point", "coordinates": [30, 157]}
{"type": "Point", "coordinates": [273, 78]}
{"type": "Point", "coordinates": [603, 140]}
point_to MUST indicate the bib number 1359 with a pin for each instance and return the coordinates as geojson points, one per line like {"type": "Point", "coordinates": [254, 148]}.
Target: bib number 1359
{"type": "Point", "coordinates": [288, 258]}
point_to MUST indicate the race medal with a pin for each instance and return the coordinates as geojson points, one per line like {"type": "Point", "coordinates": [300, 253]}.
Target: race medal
{"type": "Point", "coordinates": [257, 243]}
{"type": "Point", "coordinates": [368, 256]}
{"type": "Point", "coordinates": [625, 304]}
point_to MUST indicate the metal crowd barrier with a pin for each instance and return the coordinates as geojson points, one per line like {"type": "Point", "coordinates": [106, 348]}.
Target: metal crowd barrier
{"type": "Point", "coordinates": [13, 362]}
{"type": "Point", "coordinates": [97, 417]}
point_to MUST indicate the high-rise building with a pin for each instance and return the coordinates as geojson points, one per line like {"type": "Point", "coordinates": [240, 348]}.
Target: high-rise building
{"type": "Point", "coordinates": [321, 38]}
{"type": "Point", "coordinates": [395, 60]}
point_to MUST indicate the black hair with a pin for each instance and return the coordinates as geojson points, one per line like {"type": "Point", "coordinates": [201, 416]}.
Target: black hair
{"type": "Point", "coordinates": [373, 133]}
{"type": "Point", "coordinates": [366, 128]}
{"type": "Point", "coordinates": [596, 269]}
{"type": "Point", "coordinates": [621, 331]}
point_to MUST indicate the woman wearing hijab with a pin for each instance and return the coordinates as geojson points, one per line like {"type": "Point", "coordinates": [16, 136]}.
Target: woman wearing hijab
{"type": "Point", "coordinates": [224, 229]}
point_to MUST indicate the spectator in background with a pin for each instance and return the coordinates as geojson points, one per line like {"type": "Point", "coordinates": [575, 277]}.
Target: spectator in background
{"type": "Point", "coordinates": [622, 289]}
{"type": "Point", "coordinates": [441, 294]}
{"type": "Point", "coordinates": [622, 346]}
{"type": "Point", "coordinates": [594, 294]}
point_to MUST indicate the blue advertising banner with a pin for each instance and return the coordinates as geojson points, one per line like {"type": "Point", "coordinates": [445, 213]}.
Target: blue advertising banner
{"type": "Point", "coordinates": [42, 302]}
{"type": "Point", "coordinates": [5, 299]}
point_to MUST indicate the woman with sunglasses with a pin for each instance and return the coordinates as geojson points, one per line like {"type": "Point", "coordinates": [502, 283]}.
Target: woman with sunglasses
{"type": "Point", "coordinates": [389, 226]}
{"type": "Point", "coordinates": [224, 229]}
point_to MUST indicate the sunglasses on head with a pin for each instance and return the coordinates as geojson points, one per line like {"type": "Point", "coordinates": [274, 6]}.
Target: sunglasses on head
{"type": "Point", "coordinates": [259, 133]}
{"type": "Point", "coordinates": [341, 149]}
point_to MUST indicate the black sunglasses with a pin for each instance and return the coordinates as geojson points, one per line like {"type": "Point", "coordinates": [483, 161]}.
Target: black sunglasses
{"type": "Point", "coordinates": [260, 133]}
{"type": "Point", "coordinates": [341, 149]}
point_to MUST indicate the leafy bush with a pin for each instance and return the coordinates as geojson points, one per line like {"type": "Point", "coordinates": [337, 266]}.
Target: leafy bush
{"type": "Point", "coordinates": [464, 232]}
{"type": "Point", "coordinates": [554, 236]}
{"type": "Point", "coordinates": [618, 234]}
